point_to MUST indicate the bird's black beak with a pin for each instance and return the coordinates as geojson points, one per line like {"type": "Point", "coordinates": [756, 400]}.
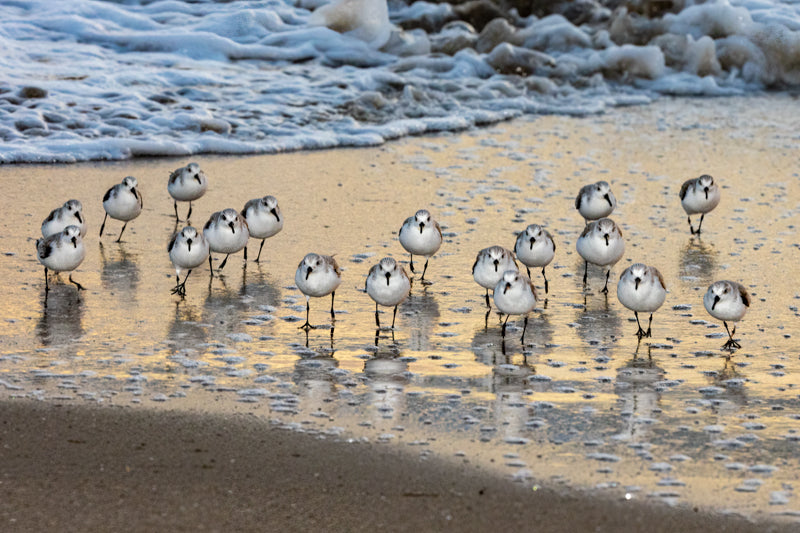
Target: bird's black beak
{"type": "Point", "coordinates": [716, 300]}
{"type": "Point", "coordinates": [606, 236]}
{"type": "Point", "coordinates": [233, 228]}
{"type": "Point", "coordinates": [197, 177]}
{"type": "Point", "coordinates": [508, 286]}
{"type": "Point", "coordinates": [637, 281]}
{"type": "Point", "coordinates": [308, 272]}
{"type": "Point", "coordinates": [78, 216]}
{"type": "Point", "coordinates": [189, 244]}
{"type": "Point", "coordinates": [388, 275]}
{"type": "Point", "coordinates": [608, 199]}
{"type": "Point", "coordinates": [496, 262]}
{"type": "Point", "coordinates": [706, 191]}
{"type": "Point", "coordinates": [275, 212]}
{"type": "Point", "coordinates": [533, 240]}
{"type": "Point", "coordinates": [75, 242]}
{"type": "Point", "coordinates": [421, 227]}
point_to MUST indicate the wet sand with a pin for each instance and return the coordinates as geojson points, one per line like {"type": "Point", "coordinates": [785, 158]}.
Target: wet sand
{"type": "Point", "coordinates": [79, 468]}
{"type": "Point", "coordinates": [187, 385]}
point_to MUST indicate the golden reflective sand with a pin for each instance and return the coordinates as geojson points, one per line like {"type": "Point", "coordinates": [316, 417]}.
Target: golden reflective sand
{"type": "Point", "coordinates": [581, 404]}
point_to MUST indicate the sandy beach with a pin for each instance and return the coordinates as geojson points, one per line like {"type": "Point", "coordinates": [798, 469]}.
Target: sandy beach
{"type": "Point", "coordinates": [77, 468]}
{"type": "Point", "coordinates": [127, 408]}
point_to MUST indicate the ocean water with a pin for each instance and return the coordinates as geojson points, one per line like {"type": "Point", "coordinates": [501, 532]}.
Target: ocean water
{"type": "Point", "coordinates": [84, 80]}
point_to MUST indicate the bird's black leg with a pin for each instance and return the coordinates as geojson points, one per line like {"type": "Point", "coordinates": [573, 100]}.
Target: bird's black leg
{"type": "Point", "coordinates": [527, 268]}
{"type": "Point", "coordinates": [394, 315]}
{"type": "Point", "coordinates": [546, 284]}
{"type": "Point", "coordinates": [585, 272]}
{"type": "Point", "coordinates": [377, 320]}
{"type": "Point", "coordinates": [333, 295]}
{"type": "Point", "coordinates": [605, 287]}
{"type": "Point", "coordinates": [489, 305]}
{"type": "Point", "coordinates": [175, 205]}
{"type": "Point", "coordinates": [125, 225]}
{"type": "Point", "coordinates": [103, 225]}
{"type": "Point", "coordinates": [731, 344]}
{"type": "Point", "coordinates": [222, 265]}
{"type": "Point", "coordinates": [258, 257]}
{"type": "Point", "coordinates": [80, 287]}
{"type": "Point", "coordinates": [46, 284]}
{"type": "Point", "coordinates": [524, 327]}
{"type": "Point", "coordinates": [425, 269]}
{"type": "Point", "coordinates": [411, 262]}
{"type": "Point", "coordinates": [307, 326]}
{"type": "Point", "coordinates": [210, 266]}
{"type": "Point", "coordinates": [691, 228]}
{"type": "Point", "coordinates": [189, 214]}
{"type": "Point", "coordinates": [649, 323]}
{"type": "Point", "coordinates": [245, 253]}
{"type": "Point", "coordinates": [701, 224]}
{"type": "Point", "coordinates": [640, 332]}
{"type": "Point", "coordinates": [503, 331]}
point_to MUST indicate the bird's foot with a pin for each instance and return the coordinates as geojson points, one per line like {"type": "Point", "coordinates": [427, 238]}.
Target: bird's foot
{"type": "Point", "coordinates": [731, 345]}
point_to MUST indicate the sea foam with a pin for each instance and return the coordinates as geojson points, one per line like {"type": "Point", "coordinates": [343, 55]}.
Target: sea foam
{"type": "Point", "coordinates": [87, 80]}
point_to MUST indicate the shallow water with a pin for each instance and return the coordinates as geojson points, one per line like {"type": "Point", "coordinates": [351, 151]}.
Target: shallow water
{"type": "Point", "coordinates": [581, 404]}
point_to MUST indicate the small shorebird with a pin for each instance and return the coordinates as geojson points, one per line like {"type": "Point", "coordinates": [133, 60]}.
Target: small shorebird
{"type": "Point", "coordinates": [489, 267]}
{"type": "Point", "coordinates": [727, 301]}
{"type": "Point", "coordinates": [69, 214]}
{"type": "Point", "coordinates": [641, 289]}
{"type": "Point", "coordinates": [226, 233]}
{"type": "Point", "coordinates": [535, 248]}
{"type": "Point", "coordinates": [699, 195]}
{"type": "Point", "coordinates": [123, 202]}
{"type": "Point", "coordinates": [187, 184]}
{"type": "Point", "coordinates": [187, 249]}
{"type": "Point", "coordinates": [514, 294]}
{"type": "Point", "coordinates": [601, 244]}
{"type": "Point", "coordinates": [264, 219]}
{"type": "Point", "coordinates": [388, 285]}
{"type": "Point", "coordinates": [61, 252]}
{"type": "Point", "coordinates": [317, 276]}
{"type": "Point", "coordinates": [421, 235]}
{"type": "Point", "coordinates": [595, 201]}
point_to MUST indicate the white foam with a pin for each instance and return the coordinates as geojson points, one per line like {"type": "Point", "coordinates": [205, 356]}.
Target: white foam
{"type": "Point", "coordinates": [141, 78]}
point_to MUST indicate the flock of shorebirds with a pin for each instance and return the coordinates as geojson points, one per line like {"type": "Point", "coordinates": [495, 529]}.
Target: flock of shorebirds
{"type": "Point", "coordinates": [641, 288]}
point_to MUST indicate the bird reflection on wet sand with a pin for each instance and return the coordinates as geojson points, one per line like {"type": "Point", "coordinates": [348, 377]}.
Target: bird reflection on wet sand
{"type": "Point", "coordinates": [120, 272]}
{"type": "Point", "coordinates": [61, 319]}
{"type": "Point", "coordinates": [419, 314]}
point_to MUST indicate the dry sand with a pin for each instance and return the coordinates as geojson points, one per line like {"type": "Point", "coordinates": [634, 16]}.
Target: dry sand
{"type": "Point", "coordinates": [79, 468]}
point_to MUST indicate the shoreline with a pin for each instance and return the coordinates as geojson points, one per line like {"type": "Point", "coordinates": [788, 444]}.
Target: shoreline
{"type": "Point", "coordinates": [92, 468]}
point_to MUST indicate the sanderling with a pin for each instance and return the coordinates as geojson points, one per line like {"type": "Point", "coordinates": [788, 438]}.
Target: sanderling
{"type": "Point", "coordinates": [727, 301]}
{"type": "Point", "coordinates": [641, 289]}
{"type": "Point", "coordinates": [123, 202]}
{"type": "Point", "coordinates": [61, 252]}
{"type": "Point", "coordinates": [535, 248]}
{"type": "Point", "coordinates": [70, 214]}
{"type": "Point", "coordinates": [699, 195]}
{"type": "Point", "coordinates": [264, 219]}
{"type": "Point", "coordinates": [595, 201]}
{"type": "Point", "coordinates": [226, 233]}
{"type": "Point", "coordinates": [187, 250]}
{"type": "Point", "coordinates": [421, 235]}
{"type": "Point", "coordinates": [490, 265]}
{"type": "Point", "coordinates": [187, 184]}
{"type": "Point", "coordinates": [387, 284]}
{"type": "Point", "coordinates": [514, 294]}
{"type": "Point", "coordinates": [317, 276]}
{"type": "Point", "coordinates": [601, 244]}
